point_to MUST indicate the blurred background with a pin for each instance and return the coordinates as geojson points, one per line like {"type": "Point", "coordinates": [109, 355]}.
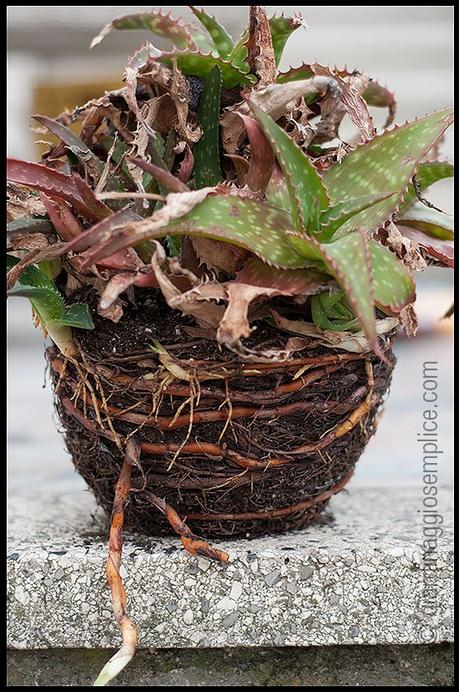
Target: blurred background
{"type": "Point", "coordinates": [50, 68]}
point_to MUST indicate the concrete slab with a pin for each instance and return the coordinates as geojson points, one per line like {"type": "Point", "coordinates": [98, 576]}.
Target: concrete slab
{"type": "Point", "coordinates": [360, 580]}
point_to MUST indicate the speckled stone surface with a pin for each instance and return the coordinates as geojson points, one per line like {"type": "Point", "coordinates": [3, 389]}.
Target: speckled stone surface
{"type": "Point", "coordinates": [361, 579]}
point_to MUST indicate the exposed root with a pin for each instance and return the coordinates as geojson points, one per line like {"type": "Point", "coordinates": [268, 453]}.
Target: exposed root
{"type": "Point", "coordinates": [127, 627]}
{"type": "Point", "coordinates": [279, 392]}
{"type": "Point", "coordinates": [192, 543]}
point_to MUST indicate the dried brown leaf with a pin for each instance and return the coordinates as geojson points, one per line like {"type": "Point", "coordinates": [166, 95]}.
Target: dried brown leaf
{"type": "Point", "coordinates": [197, 300]}
{"type": "Point", "coordinates": [260, 51]}
{"type": "Point", "coordinates": [409, 320]}
{"type": "Point", "coordinates": [179, 93]}
{"type": "Point", "coordinates": [404, 247]}
{"type": "Point", "coordinates": [258, 280]}
{"type": "Point", "coordinates": [22, 202]}
{"type": "Point", "coordinates": [276, 100]}
{"type": "Point", "coordinates": [219, 256]}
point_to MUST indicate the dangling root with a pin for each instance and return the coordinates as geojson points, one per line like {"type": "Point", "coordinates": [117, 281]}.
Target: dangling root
{"type": "Point", "coordinates": [128, 629]}
{"type": "Point", "coordinates": [192, 543]}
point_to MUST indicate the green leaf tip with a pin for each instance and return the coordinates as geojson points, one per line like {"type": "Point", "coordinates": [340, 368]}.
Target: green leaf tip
{"type": "Point", "coordinates": [281, 29]}
{"type": "Point", "coordinates": [221, 40]}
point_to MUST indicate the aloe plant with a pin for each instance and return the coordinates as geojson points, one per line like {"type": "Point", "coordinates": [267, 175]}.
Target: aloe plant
{"type": "Point", "coordinates": [300, 218]}
{"type": "Point", "coordinates": [222, 181]}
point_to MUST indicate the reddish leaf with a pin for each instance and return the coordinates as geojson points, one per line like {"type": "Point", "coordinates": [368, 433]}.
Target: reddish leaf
{"type": "Point", "coordinates": [262, 156]}
{"type": "Point", "coordinates": [103, 230]}
{"type": "Point", "coordinates": [71, 188]}
{"type": "Point", "coordinates": [162, 175]}
{"type": "Point", "coordinates": [65, 223]}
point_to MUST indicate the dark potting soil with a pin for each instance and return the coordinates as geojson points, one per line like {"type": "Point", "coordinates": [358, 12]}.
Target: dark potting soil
{"type": "Point", "coordinates": [253, 421]}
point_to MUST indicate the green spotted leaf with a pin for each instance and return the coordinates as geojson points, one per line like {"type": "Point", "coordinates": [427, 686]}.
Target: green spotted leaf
{"type": "Point", "coordinates": [245, 223]}
{"type": "Point", "coordinates": [277, 191]}
{"type": "Point", "coordinates": [199, 64]}
{"type": "Point", "coordinates": [387, 162]}
{"type": "Point", "coordinates": [348, 260]}
{"type": "Point", "coordinates": [206, 151]}
{"type": "Point", "coordinates": [308, 196]}
{"type": "Point", "coordinates": [160, 24]}
{"type": "Point", "coordinates": [367, 272]}
{"type": "Point", "coordinates": [240, 53]}
{"type": "Point", "coordinates": [393, 285]}
{"type": "Point", "coordinates": [334, 217]}
{"type": "Point", "coordinates": [221, 39]}
{"type": "Point", "coordinates": [281, 30]}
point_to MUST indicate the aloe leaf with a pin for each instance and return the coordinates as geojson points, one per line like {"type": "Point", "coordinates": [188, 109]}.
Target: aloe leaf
{"type": "Point", "coordinates": [334, 217]}
{"type": "Point", "coordinates": [47, 302]}
{"type": "Point", "coordinates": [387, 162]}
{"type": "Point", "coordinates": [348, 260]}
{"type": "Point", "coordinates": [430, 221]}
{"type": "Point", "coordinates": [241, 222]}
{"type": "Point", "coordinates": [222, 41]}
{"type": "Point", "coordinates": [393, 285]}
{"type": "Point", "coordinates": [427, 174]}
{"type": "Point", "coordinates": [71, 188]}
{"type": "Point", "coordinates": [50, 268]}
{"type": "Point", "coordinates": [308, 196]}
{"type": "Point", "coordinates": [155, 21]}
{"type": "Point", "coordinates": [293, 74]}
{"type": "Point", "coordinates": [367, 273]}
{"type": "Point", "coordinates": [281, 30]}
{"type": "Point", "coordinates": [77, 315]}
{"type": "Point", "coordinates": [199, 64]}
{"type": "Point", "coordinates": [31, 282]}
{"type": "Point", "coordinates": [246, 223]}
{"type": "Point", "coordinates": [277, 191]}
{"type": "Point", "coordinates": [206, 151]}
{"type": "Point", "coordinates": [240, 53]}
{"type": "Point", "coordinates": [72, 141]}
{"type": "Point", "coordinates": [331, 311]}
{"type": "Point", "coordinates": [49, 306]}
{"type": "Point", "coordinates": [29, 224]}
